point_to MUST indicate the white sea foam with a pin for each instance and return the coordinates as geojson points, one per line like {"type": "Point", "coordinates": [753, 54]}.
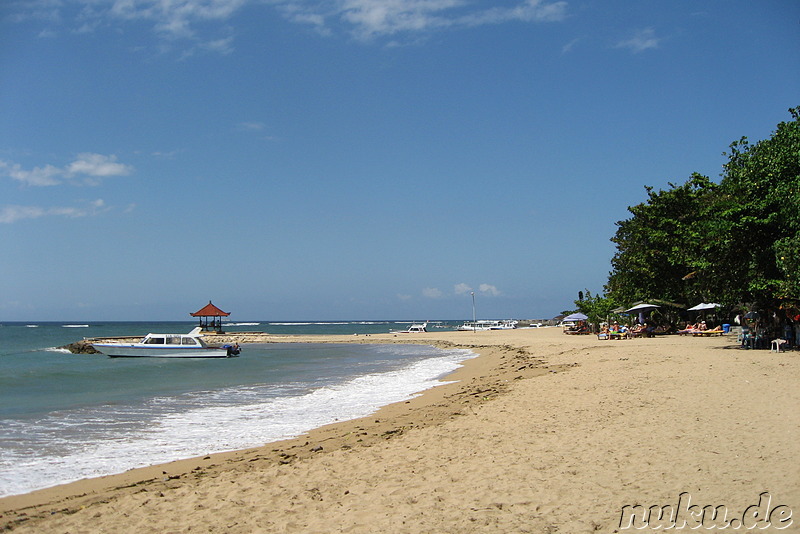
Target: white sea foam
{"type": "Point", "coordinates": [75, 325]}
{"type": "Point", "coordinates": [223, 420]}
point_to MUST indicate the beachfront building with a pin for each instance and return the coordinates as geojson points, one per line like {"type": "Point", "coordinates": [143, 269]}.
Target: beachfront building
{"type": "Point", "coordinates": [210, 317]}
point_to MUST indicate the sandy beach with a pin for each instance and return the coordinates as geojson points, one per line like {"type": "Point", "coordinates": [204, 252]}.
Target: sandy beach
{"type": "Point", "coordinates": [542, 433]}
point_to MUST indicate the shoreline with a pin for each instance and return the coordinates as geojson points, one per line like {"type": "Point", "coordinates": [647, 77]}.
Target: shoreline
{"type": "Point", "coordinates": [387, 422]}
{"type": "Point", "coordinates": [503, 447]}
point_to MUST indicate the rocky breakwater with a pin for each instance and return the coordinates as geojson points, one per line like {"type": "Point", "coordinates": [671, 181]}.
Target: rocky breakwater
{"type": "Point", "coordinates": [84, 346]}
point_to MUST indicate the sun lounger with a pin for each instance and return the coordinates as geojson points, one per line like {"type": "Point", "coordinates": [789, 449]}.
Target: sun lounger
{"type": "Point", "coordinates": [715, 332]}
{"type": "Point", "coordinates": [576, 332]}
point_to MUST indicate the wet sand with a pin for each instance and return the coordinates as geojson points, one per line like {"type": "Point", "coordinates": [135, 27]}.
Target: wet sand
{"type": "Point", "coordinates": [542, 433]}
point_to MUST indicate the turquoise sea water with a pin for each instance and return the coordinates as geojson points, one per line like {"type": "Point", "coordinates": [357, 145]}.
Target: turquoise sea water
{"type": "Point", "coordinates": [68, 416]}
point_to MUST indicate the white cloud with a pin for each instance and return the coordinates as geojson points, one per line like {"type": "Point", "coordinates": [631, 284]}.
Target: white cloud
{"type": "Point", "coordinates": [528, 11]}
{"type": "Point", "coordinates": [432, 293]}
{"type": "Point", "coordinates": [87, 167]}
{"type": "Point", "coordinates": [171, 17]}
{"type": "Point", "coordinates": [39, 176]}
{"type": "Point", "coordinates": [488, 289]}
{"type": "Point", "coordinates": [364, 19]}
{"type": "Point", "coordinates": [11, 214]}
{"type": "Point", "coordinates": [250, 126]}
{"type": "Point", "coordinates": [221, 46]}
{"type": "Point", "coordinates": [403, 297]}
{"type": "Point", "coordinates": [461, 289]}
{"type": "Point", "coordinates": [370, 18]}
{"type": "Point", "coordinates": [570, 46]}
{"type": "Point", "coordinates": [97, 165]}
{"type": "Point", "coordinates": [641, 41]}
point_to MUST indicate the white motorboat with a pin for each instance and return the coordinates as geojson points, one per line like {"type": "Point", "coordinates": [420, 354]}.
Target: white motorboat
{"type": "Point", "coordinates": [472, 326]}
{"type": "Point", "coordinates": [415, 328]}
{"type": "Point", "coordinates": [504, 325]}
{"type": "Point", "coordinates": [189, 345]}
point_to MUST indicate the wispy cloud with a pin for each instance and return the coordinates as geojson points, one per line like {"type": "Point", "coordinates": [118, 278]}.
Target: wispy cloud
{"type": "Point", "coordinates": [461, 289]}
{"type": "Point", "coordinates": [570, 46]}
{"type": "Point", "coordinates": [38, 176]}
{"type": "Point", "coordinates": [642, 40]}
{"type": "Point", "coordinates": [250, 126]}
{"type": "Point", "coordinates": [87, 169]}
{"type": "Point", "coordinates": [488, 289]}
{"type": "Point", "coordinates": [367, 19]}
{"type": "Point", "coordinates": [97, 165]}
{"type": "Point", "coordinates": [363, 19]}
{"type": "Point", "coordinates": [11, 214]}
{"type": "Point", "coordinates": [485, 289]}
{"type": "Point", "coordinates": [432, 293]}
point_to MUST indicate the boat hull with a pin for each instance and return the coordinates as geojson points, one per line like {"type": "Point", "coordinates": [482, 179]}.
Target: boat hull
{"type": "Point", "coordinates": [115, 350]}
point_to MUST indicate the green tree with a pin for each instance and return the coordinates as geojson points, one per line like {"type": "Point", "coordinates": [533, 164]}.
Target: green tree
{"type": "Point", "coordinates": [596, 307]}
{"type": "Point", "coordinates": [657, 249]}
{"type": "Point", "coordinates": [756, 221]}
{"type": "Point", "coordinates": [734, 242]}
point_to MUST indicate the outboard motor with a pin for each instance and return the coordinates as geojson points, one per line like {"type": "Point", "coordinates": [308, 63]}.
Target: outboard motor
{"type": "Point", "coordinates": [233, 350]}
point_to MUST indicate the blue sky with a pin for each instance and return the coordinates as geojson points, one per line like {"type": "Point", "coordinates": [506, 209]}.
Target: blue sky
{"type": "Point", "coordinates": [357, 159]}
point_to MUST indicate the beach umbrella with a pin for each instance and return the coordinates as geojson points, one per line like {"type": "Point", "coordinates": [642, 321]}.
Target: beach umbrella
{"type": "Point", "coordinates": [576, 317]}
{"type": "Point", "coordinates": [704, 306]}
{"type": "Point", "coordinates": [642, 308]}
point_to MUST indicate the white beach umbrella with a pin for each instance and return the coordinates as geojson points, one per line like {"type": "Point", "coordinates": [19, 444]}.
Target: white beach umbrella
{"type": "Point", "coordinates": [642, 308]}
{"type": "Point", "coordinates": [704, 306]}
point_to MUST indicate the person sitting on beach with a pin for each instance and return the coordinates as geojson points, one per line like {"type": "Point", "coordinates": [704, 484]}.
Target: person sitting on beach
{"type": "Point", "coordinates": [690, 328]}
{"type": "Point", "coordinates": [702, 326]}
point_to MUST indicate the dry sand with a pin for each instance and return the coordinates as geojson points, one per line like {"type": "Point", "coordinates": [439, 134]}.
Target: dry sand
{"type": "Point", "coordinates": [542, 433]}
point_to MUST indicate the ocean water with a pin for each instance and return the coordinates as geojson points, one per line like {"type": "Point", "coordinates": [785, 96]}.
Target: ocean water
{"type": "Point", "coordinates": [67, 416]}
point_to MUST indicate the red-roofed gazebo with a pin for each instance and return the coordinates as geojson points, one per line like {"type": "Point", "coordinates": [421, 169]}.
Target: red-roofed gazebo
{"type": "Point", "coordinates": [210, 317]}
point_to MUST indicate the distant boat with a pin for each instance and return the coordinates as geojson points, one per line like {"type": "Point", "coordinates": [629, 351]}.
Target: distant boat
{"type": "Point", "coordinates": [415, 328]}
{"type": "Point", "coordinates": [472, 326]}
{"type": "Point", "coordinates": [189, 345]}
{"type": "Point", "coordinates": [504, 325]}
{"type": "Point", "coordinates": [75, 325]}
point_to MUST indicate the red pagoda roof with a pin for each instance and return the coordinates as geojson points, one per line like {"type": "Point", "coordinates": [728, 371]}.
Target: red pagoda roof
{"type": "Point", "coordinates": [209, 310]}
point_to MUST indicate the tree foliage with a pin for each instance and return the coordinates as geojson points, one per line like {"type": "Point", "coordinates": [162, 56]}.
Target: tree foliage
{"type": "Point", "coordinates": [735, 242]}
{"type": "Point", "coordinates": [597, 307]}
